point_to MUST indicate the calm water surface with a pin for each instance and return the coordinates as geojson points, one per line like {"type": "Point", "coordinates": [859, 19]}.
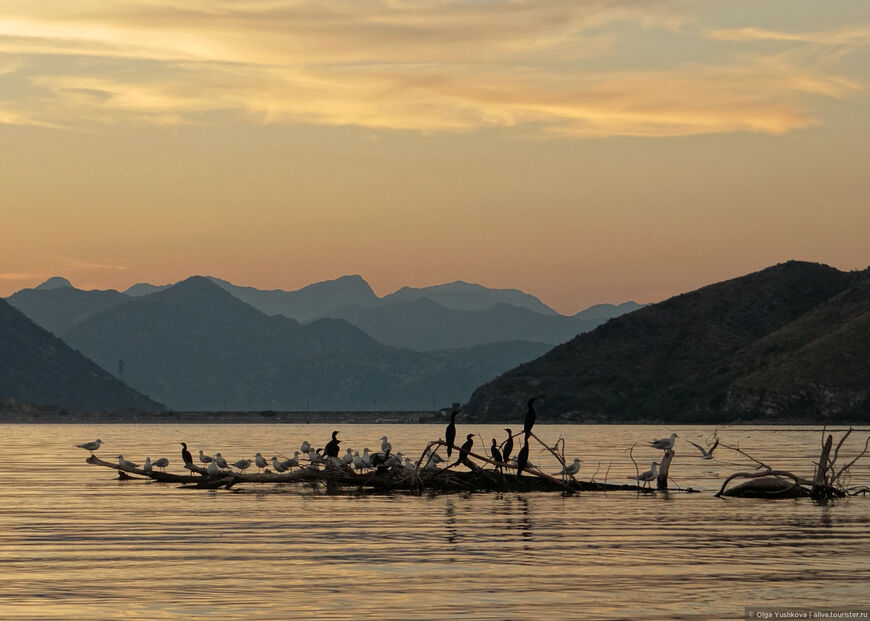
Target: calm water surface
{"type": "Point", "coordinates": [77, 544]}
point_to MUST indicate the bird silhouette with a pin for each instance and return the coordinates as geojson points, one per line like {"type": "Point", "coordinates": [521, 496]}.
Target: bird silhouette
{"type": "Point", "coordinates": [331, 449]}
{"type": "Point", "coordinates": [530, 417]}
{"type": "Point", "coordinates": [450, 433]}
{"type": "Point", "coordinates": [523, 456]}
{"type": "Point", "coordinates": [496, 454]}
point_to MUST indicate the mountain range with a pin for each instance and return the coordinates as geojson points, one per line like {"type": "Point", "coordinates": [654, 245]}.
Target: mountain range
{"type": "Point", "coordinates": [194, 346]}
{"type": "Point", "coordinates": [791, 342]}
{"type": "Point", "coordinates": [428, 319]}
{"type": "Point", "coordinates": [38, 368]}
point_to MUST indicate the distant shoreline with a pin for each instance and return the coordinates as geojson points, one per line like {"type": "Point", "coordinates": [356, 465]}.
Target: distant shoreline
{"type": "Point", "coordinates": [392, 417]}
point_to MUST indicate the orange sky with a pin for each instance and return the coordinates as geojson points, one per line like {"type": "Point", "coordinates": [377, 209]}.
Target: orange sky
{"type": "Point", "coordinates": [582, 151]}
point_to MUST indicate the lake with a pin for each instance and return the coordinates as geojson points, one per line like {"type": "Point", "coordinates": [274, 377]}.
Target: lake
{"type": "Point", "coordinates": [75, 543]}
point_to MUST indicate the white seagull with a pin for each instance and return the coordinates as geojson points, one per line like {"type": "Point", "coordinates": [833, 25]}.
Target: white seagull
{"type": "Point", "coordinates": [260, 461]}
{"type": "Point", "coordinates": [305, 448]}
{"type": "Point", "coordinates": [358, 461]}
{"type": "Point", "coordinates": [126, 464]}
{"type": "Point", "coordinates": [206, 459]}
{"type": "Point", "coordinates": [706, 453]}
{"type": "Point", "coordinates": [366, 458]}
{"type": "Point", "coordinates": [220, 461]}
{"type": "Point", "coordinates": [147, 466]}
{"type": "Point", "coordinates": [649, 475]}
{"type": "Point", "coordinates": [385, 445]}
{"type": "Point", "coordinates": [572, 469]}
{"type": "Point", "coordinates": [293, 461]}
{"type": "Point", "coordinates": [314, 457]}
{"type": "Point", "coordinates": [243, 464]}
{"type": "Point", "coordinates": [160, 463]}
{"type": "Point", "coordinates": [348, 457]}
{"type": "Point", "coordinates": [664, 444]}
{"type": "Point", "coordinates": [90, 446]}
{"type": "Point", "coordinates": [409, 465]}
{"type": "Point", "coordinates": [213, 469]}
{"type": "Point", "coordinates": [278, 466]}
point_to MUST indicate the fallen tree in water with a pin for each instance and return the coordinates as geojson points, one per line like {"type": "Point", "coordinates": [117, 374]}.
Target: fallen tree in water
{"type": "Point", "coordinates": [828, 480]}
{"type": "Point", "coordinates": [387, 479]}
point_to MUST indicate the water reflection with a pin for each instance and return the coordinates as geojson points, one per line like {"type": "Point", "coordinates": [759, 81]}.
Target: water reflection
{"type": "Point", "coordinates": [76, 544]}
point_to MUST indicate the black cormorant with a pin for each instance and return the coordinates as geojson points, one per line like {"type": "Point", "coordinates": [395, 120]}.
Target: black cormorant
{"type": "Point", "coordinates": [185, 455]}
{"type": "Point", "coordinates": [530, 417]}
{"type": "Point", "coordinates": [496, 454]}
{"type": "Point", "coordinates": [331, 449]}
{"type": "Point", "coordinates": [465, 449]}
{"type": "Point", "coordinates": [450, 433]}
{"type": "Point", "coordinates": [508, 445]}
{"type": "Point", "coordinates": [523, 456]}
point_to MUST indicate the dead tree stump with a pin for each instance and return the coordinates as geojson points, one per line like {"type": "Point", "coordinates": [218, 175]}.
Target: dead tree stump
{"type": "Point", "coordinates": [662, 481]}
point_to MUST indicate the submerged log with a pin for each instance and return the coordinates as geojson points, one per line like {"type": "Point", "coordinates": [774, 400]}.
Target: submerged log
{"type": "Point", "coordinates": [767, 487]}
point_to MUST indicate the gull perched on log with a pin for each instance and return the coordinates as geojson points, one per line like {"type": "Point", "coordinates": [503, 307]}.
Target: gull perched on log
{"type": "Point", "coordinates": [90, 446]}
{"type": "Point", "coordinates": [126, 464]}
{"type": "Point", "coordinates": [242, 464]}
{"type": "Point", "coordinates": [213, 469]}
{"type": "Point", "coordinates": [260, 461]}
{"type": "Point", "coordinates": [147, 467]}
{"type": "Point", "coordinates": [706, 453]}
{"type": "Point", "coordinates": [664, 444]}
{"type": "Point", "coordinates": [305, 448]}
{"type": "Point", "coordinates": [358, 463]}
{"type": "Point", "coordinates": [573, 468]}
{"type": "Point", "coordinates": [347, 458]}
{"type": "Point", "coordinates": [293, 461]}
{"type": "Point", "coordinates": [649, 475]}
{"type": "Point", "coordinates": [206, 459]}
{"type": "Point", "coordinates": [278, 466]}
{"type": "Point", "coordinates": [220, 461]}
{"type": "Point", "coordinates": [161, 463]}
{"type": "Point", "coordinates": [385, 445]}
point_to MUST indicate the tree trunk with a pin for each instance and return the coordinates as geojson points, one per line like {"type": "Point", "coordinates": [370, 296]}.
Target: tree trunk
{"type": "Point", "coordinates": [662, 481]}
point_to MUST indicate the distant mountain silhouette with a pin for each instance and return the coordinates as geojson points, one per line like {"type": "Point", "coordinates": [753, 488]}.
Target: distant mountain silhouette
{"type": "Point", "coordinates": [195, 346]}
{"type": "Point", "coordinates": [144, 288]}
{"type": "Point", "coordinates": [602, 312]}
{"type": "Point", "coordinates": [461, 295]}
{"type": "Point", "coordinates": [59, 308]}
{"type": "Point", "coordinates": [309, 302]}
{"type": "Point", "coordinates": [788, 341]}
{"type": "Point", "coordinates": [425, 325]}
{"type": "Point", "coordinates": [37, 367]}
{"type": "Point", "coordinates": [55, 282]}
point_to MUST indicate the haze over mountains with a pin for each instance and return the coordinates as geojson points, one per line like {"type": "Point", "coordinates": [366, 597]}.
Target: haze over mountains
{"type": "Point", "coordinates": [791, 342]}
{"type": "Point", "coordinates": [37, 367]}
{"type": "Point", "coordinates": [207, 344]}
{"type": "Point", "coordinates": [194, 346]}
{"type": "Point", "coordinates": [432, 318]}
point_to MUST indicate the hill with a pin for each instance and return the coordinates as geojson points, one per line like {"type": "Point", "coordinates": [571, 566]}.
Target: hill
{"type": "Point", "coordinates": [197, 347]}
{"type": "Point", "coordinates": [425, 325]}
{"type": "Point", "coordinates": [59, 307]}
{"type": "Point", "coordinates": [462, 295]}
{"type": "Point", "coordinates": [785, 342]}
{"type": "Point", "coordinates": [309, 302]}
{"type": "Point", "coordinates": [37, 367]}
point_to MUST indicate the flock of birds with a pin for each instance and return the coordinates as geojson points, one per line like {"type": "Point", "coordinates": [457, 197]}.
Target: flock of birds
{"type": "Point", "coordinates": [385, 459]}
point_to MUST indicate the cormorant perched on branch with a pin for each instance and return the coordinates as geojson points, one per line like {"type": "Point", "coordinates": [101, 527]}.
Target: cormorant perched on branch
{"type": "Point", "coordinates": [331, 449]}
{"type": "Point", "coordinates": [523, 456]}
{"type": "Point", "coordinates": [464, 450]}
{"type": "Point", "coordinates": [496, 454]}
{"type": "Point", "coordinates": [450, 433]}
{"type": "Point", "coordinates": [185, 455]}
{"type": "Point", "coordinates": [530, 418]}
{"type": "Point", "coordinates": [508, 445]}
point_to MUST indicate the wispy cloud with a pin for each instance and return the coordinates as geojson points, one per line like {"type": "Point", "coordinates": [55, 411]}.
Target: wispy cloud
{"type": "Point", "coordinates": [428, 65]}
{"type": "Point", "coordinates": [19, 276]}
{"type": "Point", "coordinates": [87, 265]}
{"type": "Point", "coordinates": [845, 36]}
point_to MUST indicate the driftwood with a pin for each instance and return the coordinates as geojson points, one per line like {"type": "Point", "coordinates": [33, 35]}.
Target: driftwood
{"type": "Point", "coordinates": [662, 479]}
{"type": "Point", "coordinates": [395, 479]}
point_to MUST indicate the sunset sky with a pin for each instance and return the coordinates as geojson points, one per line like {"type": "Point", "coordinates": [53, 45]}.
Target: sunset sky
{"type": "Point", "coordinates": [583, 151]}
